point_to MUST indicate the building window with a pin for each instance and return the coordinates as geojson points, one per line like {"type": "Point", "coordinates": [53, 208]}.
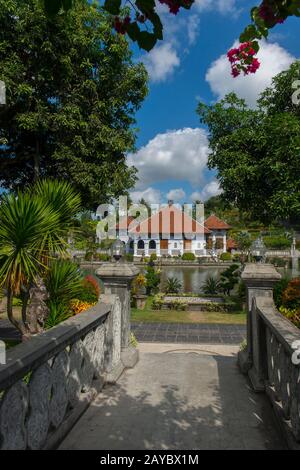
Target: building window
{"type": "Point", "coordinates": [152, 245]}
{"type": "Point", "coordinates": [141, 245]}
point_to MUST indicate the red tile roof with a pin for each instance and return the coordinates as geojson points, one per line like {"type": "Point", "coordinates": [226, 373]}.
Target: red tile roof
{"type": "Point", "coordinates": [214, 223]}
{"type": "Point", "coordinates": [170, 219]}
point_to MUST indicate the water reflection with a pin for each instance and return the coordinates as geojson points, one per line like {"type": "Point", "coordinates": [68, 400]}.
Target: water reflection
{"type": "Point", "coordinates": [191, 278]}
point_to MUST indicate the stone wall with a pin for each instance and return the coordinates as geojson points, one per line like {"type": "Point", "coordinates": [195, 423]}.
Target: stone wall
{"type": "Point", "coordinates": [272, 357]}
{"type": "Point", "coordinates": [49, 381]}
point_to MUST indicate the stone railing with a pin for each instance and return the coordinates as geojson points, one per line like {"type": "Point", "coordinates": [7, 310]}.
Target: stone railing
{"type": "Point", "coordinates": [49, 381]}
{"type": "Point", "coordinates": [271, 357]}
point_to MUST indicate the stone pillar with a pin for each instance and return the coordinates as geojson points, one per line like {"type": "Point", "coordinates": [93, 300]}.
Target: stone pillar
{"type": "Point", "coordinates": [157, 247]}
{"type": "Point", "coordinates": [117, 278]}
{"type": "Point", "coordinates": [146, 247]}
{"type": "Point", "coordinates": [135, 247]}
{"type": "Point", "coordinates": [259, 279]}
{"type": "Point", "coordinates": [224, 243]}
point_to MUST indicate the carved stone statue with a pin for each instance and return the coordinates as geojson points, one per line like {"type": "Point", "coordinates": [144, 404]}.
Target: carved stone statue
{"type": "Point", "coordinates": [38, 309]}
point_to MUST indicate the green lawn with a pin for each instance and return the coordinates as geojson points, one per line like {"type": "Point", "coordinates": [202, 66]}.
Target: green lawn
{"type": "Point", "coordinates": [175, 316]}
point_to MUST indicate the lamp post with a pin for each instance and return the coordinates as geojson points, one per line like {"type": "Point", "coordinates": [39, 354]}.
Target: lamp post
{"type": "Point", "coordinates": [117, 277]}
{"type": "Point", "coordinates": [117, 250]}
{"type": "Point", "coordinates": [258, 250]}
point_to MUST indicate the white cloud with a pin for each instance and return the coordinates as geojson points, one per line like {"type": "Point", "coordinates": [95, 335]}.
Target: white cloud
{"type": "Point", "coordinates": [178, 30]}
{"type": "Point", "coordinates": [193, 28]}
{"type": "Point", "coordinates": [273, 59]}
{"type": "Point", "coordinates": [161, 62]}
{"type": "Point", "coordinates": [175, 155]}
{"type": "Point", "coordinates": [151, 195]}
{"type": "Point", "coordinates": [176, 194]}
{"type": "Point", "coordinates": [210, 189]}
{"type": "Point", "coordinates": [222, 6]}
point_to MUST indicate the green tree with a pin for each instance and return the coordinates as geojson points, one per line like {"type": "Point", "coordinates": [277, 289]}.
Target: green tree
{"type": "Point", "coordinates": [72, 91]}
{"type": "Point", "coordinates": [229, 278]}
{"type": "Point", "coordinates": [33, 226]}
{"type": "Point", "coordinates": [256, 152]}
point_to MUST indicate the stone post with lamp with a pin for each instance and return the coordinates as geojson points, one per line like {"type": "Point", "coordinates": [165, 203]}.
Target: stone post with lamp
{"type": "Point", "coordinates": [259, 279]}
{"type": "Point", "coordinates": [117, 277]}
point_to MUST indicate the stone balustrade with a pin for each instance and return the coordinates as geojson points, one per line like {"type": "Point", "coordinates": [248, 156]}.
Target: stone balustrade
{"type": "Point", "coordinates": [271, 359]}
{"type": "Point", "coordinates": [49, 381]}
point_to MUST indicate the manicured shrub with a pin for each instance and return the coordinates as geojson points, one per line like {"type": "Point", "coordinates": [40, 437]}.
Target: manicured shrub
{"type": "Point", "coordinates": [277, 243]}
{"type": "Point", "coordinates": [152, 280]}
{"type": "Point", "coordinates": [225, 257]}
{"type": "Point", "coordinates": [291, 295]}
{"type": "Point", "coordinates": [91, 289]}
{"type": "Point", "coordinates": [278, 290]}
{"type": "Point", "coordinates": [129, 257]}
{"type": "Point", "coordinates": [102, 257]}
{"type": "Point", "coordinates": [153, 257]}
{"type": "Point", "coordinates": [188, 257]}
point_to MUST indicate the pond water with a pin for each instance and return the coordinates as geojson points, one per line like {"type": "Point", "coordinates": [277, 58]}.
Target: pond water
{"type": "Point", "coordinates": [190, 277]}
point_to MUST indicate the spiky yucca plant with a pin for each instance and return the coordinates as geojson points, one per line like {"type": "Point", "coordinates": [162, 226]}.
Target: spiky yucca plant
{"type": "Point", "coordinates": [33, 226]}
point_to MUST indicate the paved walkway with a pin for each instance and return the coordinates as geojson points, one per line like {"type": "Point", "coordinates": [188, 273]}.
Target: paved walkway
{"type": "Point", "coordinates": [184, 397]}
{"type": "Point", "coordinates": [201, 333]}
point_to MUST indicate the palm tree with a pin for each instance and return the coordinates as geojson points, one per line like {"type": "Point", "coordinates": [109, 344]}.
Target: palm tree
{"type": "Point", "coordinates": [211, 285]}
{"type": "Point", "coordinates": [33, 227]}
{"type": "Point", "coordinates": [173, 285]}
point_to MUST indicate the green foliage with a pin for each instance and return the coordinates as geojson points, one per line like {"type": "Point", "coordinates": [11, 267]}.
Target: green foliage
{"type": "Point", "coordinates": [157, 303]}
{"type": "Point", "coordinates": [188, 257]}
{"type": "Point", "coordinates": [229, 278]}
{"type": "Point", "coordinates": [63, 283]}
{"type": "Point", "coordinates": [129, 257]}
{"type": "Point", "coordinates": [291, 294]}
{"type": "Point", "coordinates": [225, 257]}
{"type": "Point", "coordinates": [173, 285]}
{"type": "Point", "coordinates": [277, 243]}
{"type": "Point", "coordinates": [90, 290]}
{"type": "Point", "coordinates": [57, 314]}
{"type": "Point", "coordinates": [133, 341]}
{"type": "Point", "coordinates": [152, 280]}
{"type": "Point", "coordinates": [258, 149]}
{"type": "Point", "coordinates": [211, 285]}
{"type": "Point", "coordinates": [177, 304]}
{"type": "Point", "coordinates": [291, 314]}
{"type": "Point", "coordinates": [242, 291]}
{"type": "Point", "coordinates": [72, 92]}
{"type": "Point", "coordinates": [278, 290]}
{"type": "Point", "coordinates": [153, 257]}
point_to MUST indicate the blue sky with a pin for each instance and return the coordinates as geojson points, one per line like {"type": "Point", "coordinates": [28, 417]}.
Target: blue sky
{"type": "Point", "coordinates": [189, 65]}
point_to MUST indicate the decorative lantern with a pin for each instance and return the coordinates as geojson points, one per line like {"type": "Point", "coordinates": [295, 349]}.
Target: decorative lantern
{"type": "Point", "coordinates": [258, 249]}
{"type": "Point", "coordinates": [117, 250]}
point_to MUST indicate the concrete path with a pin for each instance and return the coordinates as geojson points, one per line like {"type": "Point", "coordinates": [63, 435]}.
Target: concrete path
{"type": "Point", "coordinates": [178, 397]}
{"type": "Point", "coordinates": [198, 333]}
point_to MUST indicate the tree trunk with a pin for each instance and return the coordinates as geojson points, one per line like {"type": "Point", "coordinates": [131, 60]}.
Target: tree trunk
{"type": "Point", "coordinates": [18, 325]}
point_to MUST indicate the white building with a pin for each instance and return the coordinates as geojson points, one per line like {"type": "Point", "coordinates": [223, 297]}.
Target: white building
{"type": "Point", "coordinates": [172, 232]}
